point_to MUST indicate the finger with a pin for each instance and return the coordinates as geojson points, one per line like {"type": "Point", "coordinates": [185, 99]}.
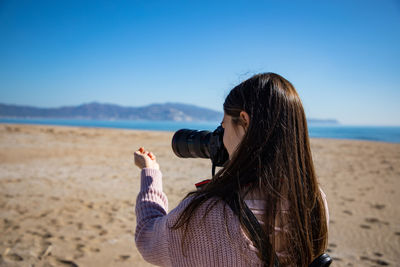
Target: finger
{"type": "Point", "coordinates": [144, 155]}
{"type": "Point", "coordinates": [151, 155]}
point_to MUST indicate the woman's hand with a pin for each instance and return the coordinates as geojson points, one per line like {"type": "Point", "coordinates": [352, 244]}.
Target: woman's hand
{"type": "Point", "coordinates": [145, 159]}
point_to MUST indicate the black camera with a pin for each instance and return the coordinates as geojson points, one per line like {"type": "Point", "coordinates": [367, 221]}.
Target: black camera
{"type": "Point", "coordinates": [201, 144]}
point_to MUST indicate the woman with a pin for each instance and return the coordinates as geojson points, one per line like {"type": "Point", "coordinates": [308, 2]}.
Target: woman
{"type": "Point", "coordinates": [270, 169]}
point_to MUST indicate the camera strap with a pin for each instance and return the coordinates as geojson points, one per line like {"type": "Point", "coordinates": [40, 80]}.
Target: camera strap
{"type": "Point", "coordinates": [200, 184]}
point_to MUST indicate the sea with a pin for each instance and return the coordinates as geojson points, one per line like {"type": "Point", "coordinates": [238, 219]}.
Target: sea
{"type": "Point", "coordinates": [390, 134]}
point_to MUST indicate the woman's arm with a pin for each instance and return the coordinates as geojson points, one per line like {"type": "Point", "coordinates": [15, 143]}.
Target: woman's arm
{"type": "Point", "coordinates": [151, 235]}
{"type": "Point", "coordinates": [212, 240]}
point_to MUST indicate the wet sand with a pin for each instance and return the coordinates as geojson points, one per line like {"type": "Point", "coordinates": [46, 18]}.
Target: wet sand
{"type": "Point", "coordinates": [67, 195]}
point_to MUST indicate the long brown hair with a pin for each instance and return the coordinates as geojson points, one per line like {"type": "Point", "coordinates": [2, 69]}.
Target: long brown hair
{"type": "Point", "coordinates": [274, 157]}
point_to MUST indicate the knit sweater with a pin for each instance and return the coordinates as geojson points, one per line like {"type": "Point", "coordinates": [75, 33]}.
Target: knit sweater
{"type": "Point", "coordinates": [213, 240]}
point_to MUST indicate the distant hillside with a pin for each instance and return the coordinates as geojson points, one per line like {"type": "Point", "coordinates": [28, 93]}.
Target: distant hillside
{"type": "Point", "coordinates": [99, 111]}
{"type": "Point", "coordinates": [161, 112]}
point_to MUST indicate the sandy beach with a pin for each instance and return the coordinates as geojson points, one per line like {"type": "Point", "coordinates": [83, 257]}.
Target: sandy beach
{"type": "Point", "coordinates": [67, 195]}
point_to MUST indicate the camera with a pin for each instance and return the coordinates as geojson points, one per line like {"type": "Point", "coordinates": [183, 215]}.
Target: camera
{"type": "Point", "coordinates": [201, 144]}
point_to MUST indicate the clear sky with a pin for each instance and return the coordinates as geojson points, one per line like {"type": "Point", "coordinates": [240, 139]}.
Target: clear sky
{"type": "Point", "coordinates": [342, 56]}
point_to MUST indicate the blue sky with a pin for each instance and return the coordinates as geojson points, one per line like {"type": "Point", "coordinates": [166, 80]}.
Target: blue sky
{"type": "Point", "coordinates": [342, 56]}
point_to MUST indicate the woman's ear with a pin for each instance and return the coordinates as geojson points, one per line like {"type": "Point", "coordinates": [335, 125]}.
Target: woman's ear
{"type": "Point", "coordinates": [245, 118]}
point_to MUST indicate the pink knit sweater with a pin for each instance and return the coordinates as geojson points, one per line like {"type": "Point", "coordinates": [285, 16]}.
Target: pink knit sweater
{"type": "Point", "coordinates": [208, 242]}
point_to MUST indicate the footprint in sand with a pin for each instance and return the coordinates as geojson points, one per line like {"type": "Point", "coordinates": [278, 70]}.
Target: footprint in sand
{"type": "Point", "coordinates": [80, 255]}
{"type": "Point", "coordinates": [376, 261]}
{"type": "Point", "coordinates": [124, 257]}
{"type": "Point", "coordinates": [375, 221]}
{"type": "Point", "coordinates": [365, 226]}
{"type": "Point", "coordinates": [336, 259]}
{"type": "Point", "coordinates": [378, 206]}
{"type": "Point", "coordinates": [11, 129]}
{"type": "Point", "coordinates": [103, 232]}
{"type": "Point", "coordinates": [95, 249]}
{"type": "Point", "coordinates": [381, 262]}
{"type": "Point", "coordinates": [97, 226]}
{"type": "Point", "coordinates": [55, 223]}
{"type": "Point", "coordinates": [80, 247]}
{"type": "Point", "coordinates": [67, 263]}
{"type": "Point", "coordinates": [79, 225]}
{"type": "Point", "coordinates": [348, 199]}
{"type": "Point", "coordinates": [348, 212]}
{"type": "Point", "coordinates": [115, 208]}
{"type": "Point", "coordinates": [47, 235]}
{"type": "Point", "coordinates": [372, 220]}
{"type": "Point", "coordinates": [14, 257]}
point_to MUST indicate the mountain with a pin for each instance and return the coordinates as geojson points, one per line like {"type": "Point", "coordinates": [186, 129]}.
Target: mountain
{"type": "Point", "coordinates": [99, 111]}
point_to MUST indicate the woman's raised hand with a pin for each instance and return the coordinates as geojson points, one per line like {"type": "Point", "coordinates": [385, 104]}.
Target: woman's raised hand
{"type": "Point", "coordinates": [145, 159]}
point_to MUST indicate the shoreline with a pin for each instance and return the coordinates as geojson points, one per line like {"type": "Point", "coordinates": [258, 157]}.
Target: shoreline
{"type": "Point", "coordinates": [172, 131]}
{"type": "Point", "coordinates": [67, 194]}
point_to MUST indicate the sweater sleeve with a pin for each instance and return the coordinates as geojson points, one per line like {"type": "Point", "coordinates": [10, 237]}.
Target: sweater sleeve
{"type": "Point", "coordinates": [151, 208]}
{"type": "Point", "coordinates": [212, 240]}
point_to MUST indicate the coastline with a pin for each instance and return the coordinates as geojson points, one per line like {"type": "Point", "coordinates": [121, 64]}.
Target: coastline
{"type": "Point", "coordinates": [68, 194]}
{"type": "Point", "coordinates": [387, 134]}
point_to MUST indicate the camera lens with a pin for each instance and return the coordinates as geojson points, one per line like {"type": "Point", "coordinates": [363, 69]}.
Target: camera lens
{"type": "Point", "coordinates": [191, 143]}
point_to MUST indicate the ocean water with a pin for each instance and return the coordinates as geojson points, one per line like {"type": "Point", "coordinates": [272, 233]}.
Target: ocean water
{"type": "Point", "coordinates": [371, 133]}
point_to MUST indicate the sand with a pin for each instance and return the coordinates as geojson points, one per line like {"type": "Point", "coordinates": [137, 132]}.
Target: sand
{"type": "Point", "coordinates": [67, 195]}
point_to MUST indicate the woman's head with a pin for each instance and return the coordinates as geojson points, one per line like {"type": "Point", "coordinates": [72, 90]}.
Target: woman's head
{"type": "Point", "coordinates": [259, 107]}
